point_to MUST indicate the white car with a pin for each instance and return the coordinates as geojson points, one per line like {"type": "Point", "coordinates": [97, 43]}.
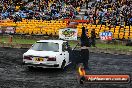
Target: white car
{"type": "Point", "coordinates": [47, 54]}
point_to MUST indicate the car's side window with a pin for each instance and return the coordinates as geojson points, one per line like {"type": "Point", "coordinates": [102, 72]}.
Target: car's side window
{"type": "Point", "coordinates": [64, 46]}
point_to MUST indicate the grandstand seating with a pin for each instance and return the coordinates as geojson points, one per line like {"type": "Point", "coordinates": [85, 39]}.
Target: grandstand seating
{"type": "Point", "coordinates": [52, 27]}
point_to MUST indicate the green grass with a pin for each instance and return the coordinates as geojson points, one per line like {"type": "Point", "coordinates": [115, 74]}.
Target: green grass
{"type": "Point", "coordinates": [24, 41]}
{"type": "Point", "coordinates": [116, 47]}
{"type": "Point", "coordinates": [73, 43]}
{"type": "Point", "coordinates": [18, 40]}
{"type": "Point", "coordinates": [108, 46]}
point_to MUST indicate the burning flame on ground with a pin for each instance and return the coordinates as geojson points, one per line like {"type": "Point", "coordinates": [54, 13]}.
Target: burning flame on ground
{"type": "Point", "coordinates": [81, 71]}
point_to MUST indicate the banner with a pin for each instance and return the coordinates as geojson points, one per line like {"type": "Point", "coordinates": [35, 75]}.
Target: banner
{"type": "Point", "coordinates": [68, 34]}
{"type": "Point", "coordinates": [7, 30]}
{"type": "Point", "coordinates": [10, 30]}
{"type": "Point", "coordinates": [106, 36]}
{"type": "Point", "coordinates": [83, 77]}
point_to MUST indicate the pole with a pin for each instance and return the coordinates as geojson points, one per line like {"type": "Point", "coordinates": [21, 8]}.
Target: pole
{"type": "Point", "coordinates": [10, 39]}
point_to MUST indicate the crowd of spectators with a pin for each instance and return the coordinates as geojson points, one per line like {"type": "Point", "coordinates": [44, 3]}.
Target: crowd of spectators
{"type": "Point", "coordinates": [39, 9]}
{"type": "Point", "coordinates": [106, 12]}
{"type": "Point", "coordinates": [110, 12]}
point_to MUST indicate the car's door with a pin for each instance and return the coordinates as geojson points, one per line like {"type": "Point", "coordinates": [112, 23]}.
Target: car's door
{"type": "Point", "coordinates": [65, 52]}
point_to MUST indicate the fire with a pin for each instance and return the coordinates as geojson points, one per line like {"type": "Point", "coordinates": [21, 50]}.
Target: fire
{"type": "Point", "coordinates": [81, 70]}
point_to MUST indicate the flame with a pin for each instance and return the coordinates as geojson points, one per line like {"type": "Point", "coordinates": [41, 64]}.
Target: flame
{"type": "Point", "coordinates": [81, 71]}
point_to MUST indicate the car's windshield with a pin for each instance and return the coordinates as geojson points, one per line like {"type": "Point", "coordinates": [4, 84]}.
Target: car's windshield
{"type": "Point", "coordinates": [45, 46]}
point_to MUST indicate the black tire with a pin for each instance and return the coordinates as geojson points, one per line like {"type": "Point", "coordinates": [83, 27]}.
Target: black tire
{"type": "Point", "coordinates": [30, 68]}
{"type": "Point", "coordinates": [63, 64]}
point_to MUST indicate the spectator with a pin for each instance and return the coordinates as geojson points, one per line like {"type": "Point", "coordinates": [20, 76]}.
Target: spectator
{"type": "Point", "coordinates": [93, 37]}
{"type": "Point", "coordinates": [84, 38]}
{"type": "Point", "coordinates": [86, 3]}
{"type": "Point", "coordinates": [84, 48]}
{"type": "Point", "coordinates": [103, 12]}
{"type": "Point", "coordinates": [55, 10]}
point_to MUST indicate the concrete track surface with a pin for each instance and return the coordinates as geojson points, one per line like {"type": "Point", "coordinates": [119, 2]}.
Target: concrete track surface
{"type": "Point", "coordinates": [14, 75]}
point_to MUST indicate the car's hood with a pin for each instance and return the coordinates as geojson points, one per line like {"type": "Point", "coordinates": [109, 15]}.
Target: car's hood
{"type": "Point", "coordinates": [41, 53]}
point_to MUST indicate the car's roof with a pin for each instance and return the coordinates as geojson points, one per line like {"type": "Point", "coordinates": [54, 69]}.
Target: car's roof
{"type": "Point", "coordinates": [55, 41]}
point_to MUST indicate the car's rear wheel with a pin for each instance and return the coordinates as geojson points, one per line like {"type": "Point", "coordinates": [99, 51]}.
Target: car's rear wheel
{"type": "Point", "coordinates": [30, 67]}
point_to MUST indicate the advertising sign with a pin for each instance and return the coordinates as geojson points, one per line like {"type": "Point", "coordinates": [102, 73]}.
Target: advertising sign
{"type": "Point", "coordinates": [7, 30]}
{"type": "Point", "coordinates": [10, 30]}
{"type": "Point", "coordinates": [68, 34]}
{"type": "Point", "coordinates": [106, 36]}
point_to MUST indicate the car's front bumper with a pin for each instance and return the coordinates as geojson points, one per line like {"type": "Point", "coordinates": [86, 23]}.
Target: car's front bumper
{"type": "Point", "coordinates": [41, 65]}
